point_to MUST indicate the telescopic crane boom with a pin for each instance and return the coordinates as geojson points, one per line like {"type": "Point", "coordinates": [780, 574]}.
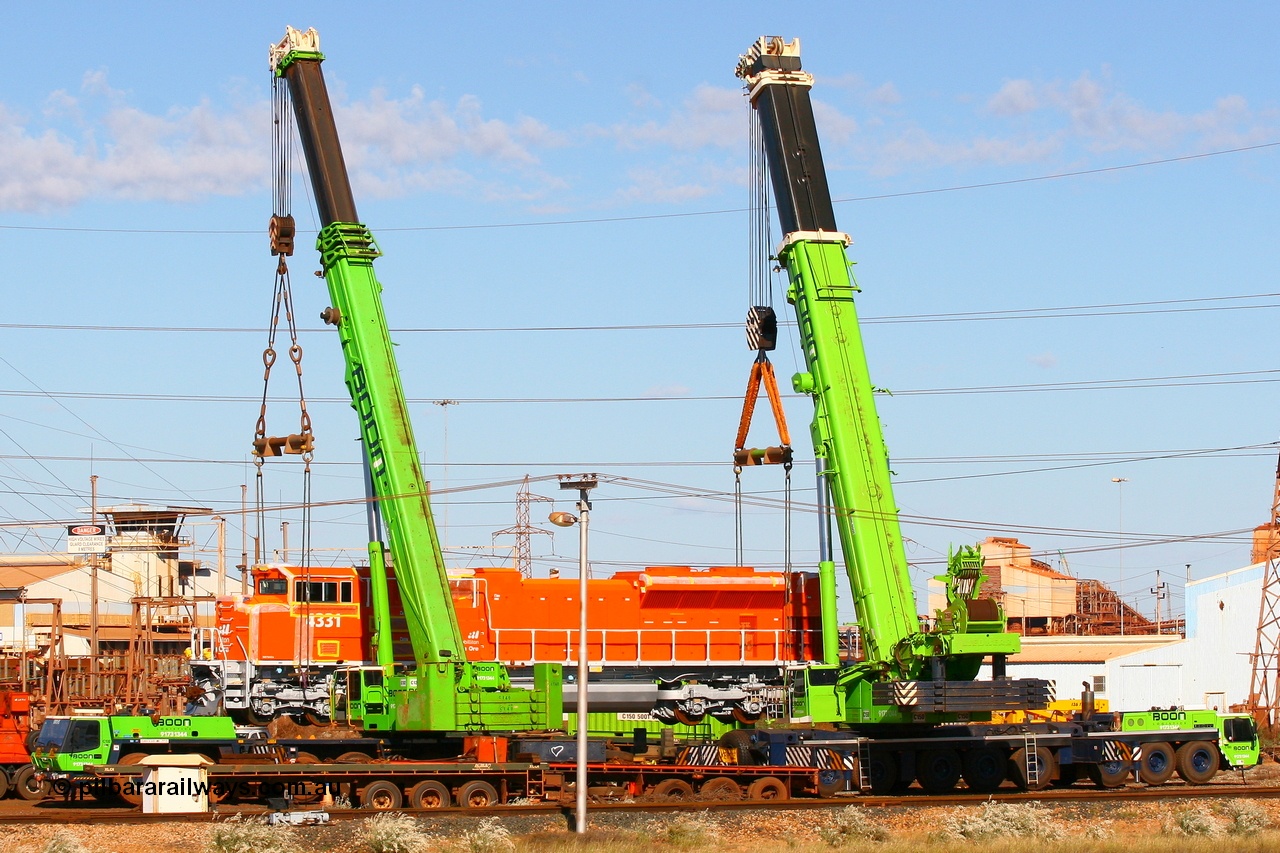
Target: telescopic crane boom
{"type": "Point", "coordinates": [906, 671]}
{"type": "Point", "coordinates": [442, 691]}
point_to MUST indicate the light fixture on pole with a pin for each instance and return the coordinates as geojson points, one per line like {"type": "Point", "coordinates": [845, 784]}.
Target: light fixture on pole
{"type": "Point", "coordinates": [583, 484]}
{"type": "Point", "coordinates": [1120, 481]}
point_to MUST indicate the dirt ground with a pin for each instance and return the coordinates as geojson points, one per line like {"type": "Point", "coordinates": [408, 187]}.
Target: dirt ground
{"type": "Point", "coordinates": [739, 830]}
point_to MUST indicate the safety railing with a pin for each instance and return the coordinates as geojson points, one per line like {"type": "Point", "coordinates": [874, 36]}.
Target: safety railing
{"type": "Point", "coordinates": [652, 646]}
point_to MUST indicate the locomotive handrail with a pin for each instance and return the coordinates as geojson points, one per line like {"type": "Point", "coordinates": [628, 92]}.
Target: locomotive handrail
{"type": "Point", "coordinates": [643, 645]}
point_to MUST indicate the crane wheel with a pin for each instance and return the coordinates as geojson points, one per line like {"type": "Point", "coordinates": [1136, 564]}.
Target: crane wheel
{"type": "Point", "coordinates": [1024, 760]}
{"type": "Point", "coordinates": [882, 772]}
{"type": "Point", "coordinates": [1157, 764]}
{"type": "Point", "coordinates": [1110, 774]}
{"type": "Point", "coordinates": [128, 787]}
{"type": "Point", "coordinates": [478, 795]}
{"type": "Point", "coordinates": [770, 788]}
{"type": "Point", "coordinates": [676, 790]}
{"type": "Point", "coordinates": [429, 795]}
{"type": "Point", "coordinates": [938, 770]}
{"type": "Point", "coordinates": [381, 796]}
{"type": "Point", "coordinates": [721, 788]}
{"type": "Point", "coordinates": [984, 768]}
{"type": "Point", "coordinates": [1197, 761]}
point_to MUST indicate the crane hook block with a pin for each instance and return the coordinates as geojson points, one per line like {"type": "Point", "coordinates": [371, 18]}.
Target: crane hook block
{"type": "Point", "coordinates": [281, 231]}
{"type": "Point", "coordinates": [762, 456]}
{"type": "Point", "coordinates": [762, 329]}
{"type": "Point", "coordinates": [278, 445]}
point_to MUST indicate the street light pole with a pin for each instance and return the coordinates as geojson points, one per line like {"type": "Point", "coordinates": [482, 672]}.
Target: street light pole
{"type": "Point", "coordinates": [583, 484]}
{"type": "Point", "coordinates": [1120, 481]}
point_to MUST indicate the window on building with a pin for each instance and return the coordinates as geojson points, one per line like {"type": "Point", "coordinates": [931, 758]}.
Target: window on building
{"type": "Point", "coordinates": [1099, 684]}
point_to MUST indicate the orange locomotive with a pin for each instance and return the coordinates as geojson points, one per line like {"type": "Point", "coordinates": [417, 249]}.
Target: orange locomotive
{"type": "Point", "coordinates": [673, 642]}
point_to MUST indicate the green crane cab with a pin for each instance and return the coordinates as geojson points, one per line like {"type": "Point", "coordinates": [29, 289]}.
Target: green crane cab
{"type": "Point", "coordinates": [65, 746]}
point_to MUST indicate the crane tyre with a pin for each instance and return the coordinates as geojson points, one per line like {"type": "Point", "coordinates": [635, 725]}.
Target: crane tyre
{"type": "Point", "coordinates": [721, 788]}
{"type": "Point", "coordinates": [381, 795]}
{"type": "Point", "coordinates": [672, 789]}
{"type": "Point", "coordinates": [128, 788]}
{"type": "Point", "coordinates": [1068, 774]}
{"type": "Point", "coordinates": [1197, 761]}
{"type": "Point", "coordinates": [770, 788]}
{"type": "Point", "coordinates": [1157, 764]}
{"type": "Point", "coordinates": [739, 741]}
{"type": "Point", "coordinates": [938, 770]}
{"type": "Point", "coordinates": [478, 795]}
{"type": "Point", "coordinates": [430, 795]}
{"type": "Point", "coordinates": [1022, 772]}
{"type": "Point", "coordinates": [831, 782]}
{"type": "Point", "coordinates": [1110, 774]}
{"type": "Point", "coordinates": [882, 771]}
{"type": "Point", "coordinates": [984, 768]}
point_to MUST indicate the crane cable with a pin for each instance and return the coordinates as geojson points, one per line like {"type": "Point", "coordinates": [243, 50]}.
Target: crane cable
{"type": "Point", "coordinates": [281, 233]}
{"type": "Point", "coordinates": [762, 335]}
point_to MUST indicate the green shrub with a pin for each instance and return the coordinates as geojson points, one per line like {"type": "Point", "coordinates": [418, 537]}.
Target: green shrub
{"type": "Point", "coordinates": [63, 841]}
{"type": "Point", "coordinates": [1245, 817]}
{"type": "Point", "coordinates": [1002, 820]}
{"type": "Point", "coordinates": [852, 824]}
{"type": "Point", "coordinates": [251, 836]}
{"type": "Point", "coordinates": [1192, 821]}
{"type": "Point", "coordinates": [488, 836]}
{"type": "Point", "coordinates": [687, 830]}
{"type": "Point", "coordinates": [393, 832]}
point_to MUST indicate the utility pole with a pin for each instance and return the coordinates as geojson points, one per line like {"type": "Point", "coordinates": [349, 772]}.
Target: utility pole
{"type": "Point", "coordinates": [1120, 481]}
{"type": "Point", "coordinates": [1159, 592]}
{"type": "Point", "coordinates": [93, 592]}
{"type": "Point", "coordinates": [244, 539]}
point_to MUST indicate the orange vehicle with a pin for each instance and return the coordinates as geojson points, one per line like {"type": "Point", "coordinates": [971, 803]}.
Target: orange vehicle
{"type": "Point", "coordinates": [674, 642]}
{"type": "Point", "coordinates": [16, 773]}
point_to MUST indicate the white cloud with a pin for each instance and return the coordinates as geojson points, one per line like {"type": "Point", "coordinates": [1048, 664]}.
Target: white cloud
{"type": "Point", "coordinates": [1016, 97]}
{"type": "Point", "coordinates": [98, 145]}
{"type": "Point", "coordinates": [711, 117]}
{"type": "Point", "coordinates": [667, 391]}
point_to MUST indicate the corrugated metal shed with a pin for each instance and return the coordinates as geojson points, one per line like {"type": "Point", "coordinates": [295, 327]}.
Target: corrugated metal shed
{"type": "Point", "coordinates": [1211, 668]}
{"type": "Point", "coordinates": [1070, 662]}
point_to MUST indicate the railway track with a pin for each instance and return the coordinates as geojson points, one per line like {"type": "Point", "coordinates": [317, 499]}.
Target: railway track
{"type": "Point", "coordinates": [70, 813]}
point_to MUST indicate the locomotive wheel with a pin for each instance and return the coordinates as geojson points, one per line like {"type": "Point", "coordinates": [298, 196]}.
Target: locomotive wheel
{"type": "Point", "coordinates": [720, 788]}
{"type": "Point", "coordinates": [688, 719]}
{"type": "Point", "coordinates": [255, 719]}
{"type": "Point", "coordinates": [381, 796]}
{"type": "Point", "coordinates": [1157, 763]}
{"type": "Point", "coordinates": [769, 788]}
{"type": "Point", "coordinates": [672, 789]}
{"type": "Point", "coordinates": [984, 768]}
{"type": "Point", "coordinates": [478, 795]}
{"type": "Point", "coordinates": [938, 769]}
{"type": "Point", "coordinates": [743, 717]}
{"type": "Point", "coordinates": [353, 758]}
{"type": "Point", "coordinates": [132, 797]}
{"type": "Point", "coordinates": [1197, 761]}
{"type": "Point", "coordinates": [429, 795]}
{"type": "Point", "coordinates": [315, 718]}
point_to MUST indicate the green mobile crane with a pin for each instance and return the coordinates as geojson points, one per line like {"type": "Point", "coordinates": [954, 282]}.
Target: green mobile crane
{"type": "Point", "coordinates": [908, 675]}
{"type": "Point", "coordinates": [440, 691]}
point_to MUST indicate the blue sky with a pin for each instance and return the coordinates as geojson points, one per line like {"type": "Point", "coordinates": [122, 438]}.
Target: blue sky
{"type": "Point", "coordinates": [1063, 218]}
